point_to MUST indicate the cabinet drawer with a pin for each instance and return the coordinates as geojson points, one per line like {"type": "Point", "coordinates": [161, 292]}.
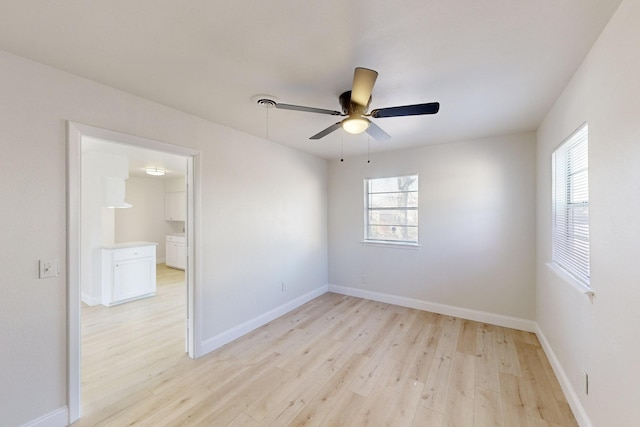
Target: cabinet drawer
{"type": "Point", "coordinates": [132, 253]}
{"type": "Point", "coordinates": [175, 239]}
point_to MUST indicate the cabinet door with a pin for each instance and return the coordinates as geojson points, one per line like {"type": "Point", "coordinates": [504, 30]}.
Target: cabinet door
{"type": "Point", "coordinates": [181, 256]}
{"type": "Point", "coordinates": [169, 206]}
{"type": "Point", "coordinates": [133, 278]}
{"type": "Point", "coordinates": [175, 206]}
{"type": "Point", "coordinates": [172, 254]}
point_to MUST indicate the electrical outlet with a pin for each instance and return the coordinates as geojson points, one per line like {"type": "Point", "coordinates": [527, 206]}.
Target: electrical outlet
{"type": "Point", "coordinates": [47, 268]}
{"type": "Point", "coordinates": [364, 278]}
{"type": "Point", "coordinates": [283, 287]}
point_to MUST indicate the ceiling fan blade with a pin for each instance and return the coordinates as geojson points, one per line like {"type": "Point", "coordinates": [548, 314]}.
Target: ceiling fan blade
{"type": "Point", "coordinates": [407, 110]}
{"type": "Point", "coordinates": [307, 109]}
{"type": "Point", "coordinates": [327, 131]}
{"type": "Point", "coordinates": [377, 133]}
{"type": "Point", "coordinates": [363, 81]}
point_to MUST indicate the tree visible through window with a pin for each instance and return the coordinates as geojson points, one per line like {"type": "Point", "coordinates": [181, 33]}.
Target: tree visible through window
{"type": "Point", "coordinates": [391, 209]}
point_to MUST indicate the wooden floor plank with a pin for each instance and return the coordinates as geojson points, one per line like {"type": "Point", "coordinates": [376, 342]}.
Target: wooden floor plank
{"type": "Point", "coordinates": [321, 404]}
{"type": "Point", "coordinates": [345, 411]}
{"type": "Point", "coordinates": [335, 361]}
{"type": "Point", "coordinates": [460, 399]}
{"type": "Point", "coordinates": [436, 387]}
{"type": "Point", "coordinates": [544, 405]}
{"type": "Point", "coordinates": [468, 337]}
{"type": "Point", "coordinates": [487, 411]}
{"type": "Point", "coordinates": [243, 420]}
{"type": "Point", "coordinates": [376, 405]}
{"type": "Point", "coordinates": [403, 406]}
{"type": "Point", "coordinates": [487, 374]}
{"type": "Point", "coordinates": [507, 355]}
{"type": "Point", "coordinates": [427, 417]}
{"type": "Point", "coordinates": [512, 399]}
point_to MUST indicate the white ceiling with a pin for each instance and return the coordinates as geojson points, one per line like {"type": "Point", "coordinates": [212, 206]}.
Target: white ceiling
{"type": "Point", "coordinates": [495, 66]}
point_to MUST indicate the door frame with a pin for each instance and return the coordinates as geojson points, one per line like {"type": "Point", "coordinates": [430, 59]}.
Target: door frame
{"type": "Point", "coordinates": [75, 133]}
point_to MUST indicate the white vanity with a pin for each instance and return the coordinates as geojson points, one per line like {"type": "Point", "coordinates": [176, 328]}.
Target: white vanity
{"type": "Point", "coordinates": [128, 272]}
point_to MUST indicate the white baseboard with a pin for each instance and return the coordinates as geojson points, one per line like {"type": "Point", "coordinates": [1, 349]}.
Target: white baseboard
{"type": "Point", "coordinates": [91, 301]}
{"type": "Point", "coordinates": [57, 418]}
{"type": "Point", "coordinates": [244, 328]}
{"type": "Point", "coordinates": [570, 393]}
{"type": "Point", "coordinates": [160, 260]}
{"type": "Point", "coordinates": [449, 310]}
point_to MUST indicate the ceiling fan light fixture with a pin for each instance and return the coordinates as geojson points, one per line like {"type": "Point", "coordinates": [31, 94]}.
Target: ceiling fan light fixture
{"type": "Point", "coordinates": [355, 125]}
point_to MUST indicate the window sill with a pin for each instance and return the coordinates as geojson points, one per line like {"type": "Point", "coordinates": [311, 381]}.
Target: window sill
{"type": "Point", "coordinates": [398, 245]}
{"type": "Point", "coordinates": [570, 280]}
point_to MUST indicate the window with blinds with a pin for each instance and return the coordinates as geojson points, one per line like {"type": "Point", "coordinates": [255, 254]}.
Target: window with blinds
{"type": "Point", "coordinates": [391, 209]}
{"type": "Point", "coordinates": [571, 205]}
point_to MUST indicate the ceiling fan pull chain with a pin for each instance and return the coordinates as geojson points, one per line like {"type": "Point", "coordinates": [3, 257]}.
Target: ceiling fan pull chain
{"type": "Point", "coordinates": [368, 149]}
{"type": "Point", "coordinates": [342, 148]}
{"type": "Point", "coordinates": [267, 122]}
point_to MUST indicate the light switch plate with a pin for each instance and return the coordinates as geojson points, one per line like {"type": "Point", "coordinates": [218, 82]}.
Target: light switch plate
{"type": "Point", "coordinates": [48, 268]}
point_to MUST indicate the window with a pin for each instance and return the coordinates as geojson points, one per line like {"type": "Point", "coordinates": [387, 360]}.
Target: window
{"type": "Point", "coordinates": [391, 209]}
{"type": "Point", "coordinates": [571, 205]}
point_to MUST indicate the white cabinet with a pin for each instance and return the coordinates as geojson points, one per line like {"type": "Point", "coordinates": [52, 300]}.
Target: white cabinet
{"type": "Point", "coordinates": [175, 206]}
{"type": "Point", "coordinates": [128, 272]}
{"type": "Point", "coordinates": [176, 252]}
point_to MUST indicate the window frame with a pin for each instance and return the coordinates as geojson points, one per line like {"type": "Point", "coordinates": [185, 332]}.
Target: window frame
{"type": "Point", "coordinates": [570, 234]}
{"type": "Point", "coordinates": [367, 210]}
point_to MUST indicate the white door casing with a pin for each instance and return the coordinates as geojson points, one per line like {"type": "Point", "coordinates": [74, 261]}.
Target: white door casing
{"type": "Point", "coordinates": [75, 133]}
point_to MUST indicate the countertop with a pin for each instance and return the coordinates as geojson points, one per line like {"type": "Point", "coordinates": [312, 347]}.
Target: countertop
{"type": "Point", "coordinates": [129, 245]}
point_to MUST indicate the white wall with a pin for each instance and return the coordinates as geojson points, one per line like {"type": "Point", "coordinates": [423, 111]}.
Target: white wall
{"type": "Point", "coordinates": [174, 184]}
{"type": "Point", "coordinates": [262, 209]}
{"type": "Point", "coordinates": [266, 224]}
{"type": "Point", "coordinates": [476, 219]}
{"type": "Point", "coordinates": [600, 338]}
{"type": "Point", "coordinates": [145, 220]}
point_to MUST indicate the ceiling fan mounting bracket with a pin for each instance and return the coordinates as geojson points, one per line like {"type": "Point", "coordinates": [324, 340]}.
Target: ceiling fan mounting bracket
{"type": "Point", "coordinates": [266, 103]}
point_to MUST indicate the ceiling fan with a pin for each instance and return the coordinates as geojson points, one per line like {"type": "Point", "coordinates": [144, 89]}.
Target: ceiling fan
{"type": "Point", "coordinates": [355, 104]}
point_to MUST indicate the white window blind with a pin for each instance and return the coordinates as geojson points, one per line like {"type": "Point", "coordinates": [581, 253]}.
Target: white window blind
{"type": "Point", "coordinates": [571, 205]}
{"type": "Point", "coordinates": [391, 209]}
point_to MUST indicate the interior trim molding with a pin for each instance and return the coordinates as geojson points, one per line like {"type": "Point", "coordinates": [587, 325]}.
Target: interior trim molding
{"type": "Point", "coordinates": [75, 133]}
{"type": "Point", "coordinates": [570, 393]}
{"type": "Point", "coordinates": [434, 307]}
{"type": "Point", "coordinates": [236, 332]}
{"type": "Point", "coordinates": [89, 300]}
{"type": "Point", "coordinates": [57, 418]}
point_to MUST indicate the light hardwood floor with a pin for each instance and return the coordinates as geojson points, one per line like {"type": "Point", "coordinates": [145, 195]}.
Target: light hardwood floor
{"type": "Point", "coordinates": [337, 360]}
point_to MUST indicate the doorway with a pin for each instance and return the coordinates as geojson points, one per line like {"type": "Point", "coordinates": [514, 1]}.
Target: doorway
{"type": "Point", "coordinates": [79, 135]}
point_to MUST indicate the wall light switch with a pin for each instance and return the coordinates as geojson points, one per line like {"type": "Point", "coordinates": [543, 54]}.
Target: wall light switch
{"type": "Point", "coordinates": [48, 268]}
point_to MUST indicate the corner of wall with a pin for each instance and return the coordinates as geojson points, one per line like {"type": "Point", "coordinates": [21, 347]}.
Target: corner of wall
{"type": "Point", "coordinates": [433, 307]}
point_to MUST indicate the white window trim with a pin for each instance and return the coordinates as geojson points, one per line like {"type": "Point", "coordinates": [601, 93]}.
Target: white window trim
{"type": "Point", "coordinates": [569, 278]}
{"type": "Point", "coordinates": [391, 244]}
{"type": "Point", "coordinates": [566, 275]}
{"type": "Point", "coordinates": [388, 243]}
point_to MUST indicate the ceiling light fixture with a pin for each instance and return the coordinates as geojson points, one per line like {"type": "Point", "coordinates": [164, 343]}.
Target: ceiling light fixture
{"type": "Point", "coordinates": [355, 125]}
{"type": "Point", "coordinates": [154, 171]}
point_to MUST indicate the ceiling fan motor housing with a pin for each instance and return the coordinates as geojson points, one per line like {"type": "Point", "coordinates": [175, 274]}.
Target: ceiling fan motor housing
{"type": "Point", "coordinates": [351, 108]}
